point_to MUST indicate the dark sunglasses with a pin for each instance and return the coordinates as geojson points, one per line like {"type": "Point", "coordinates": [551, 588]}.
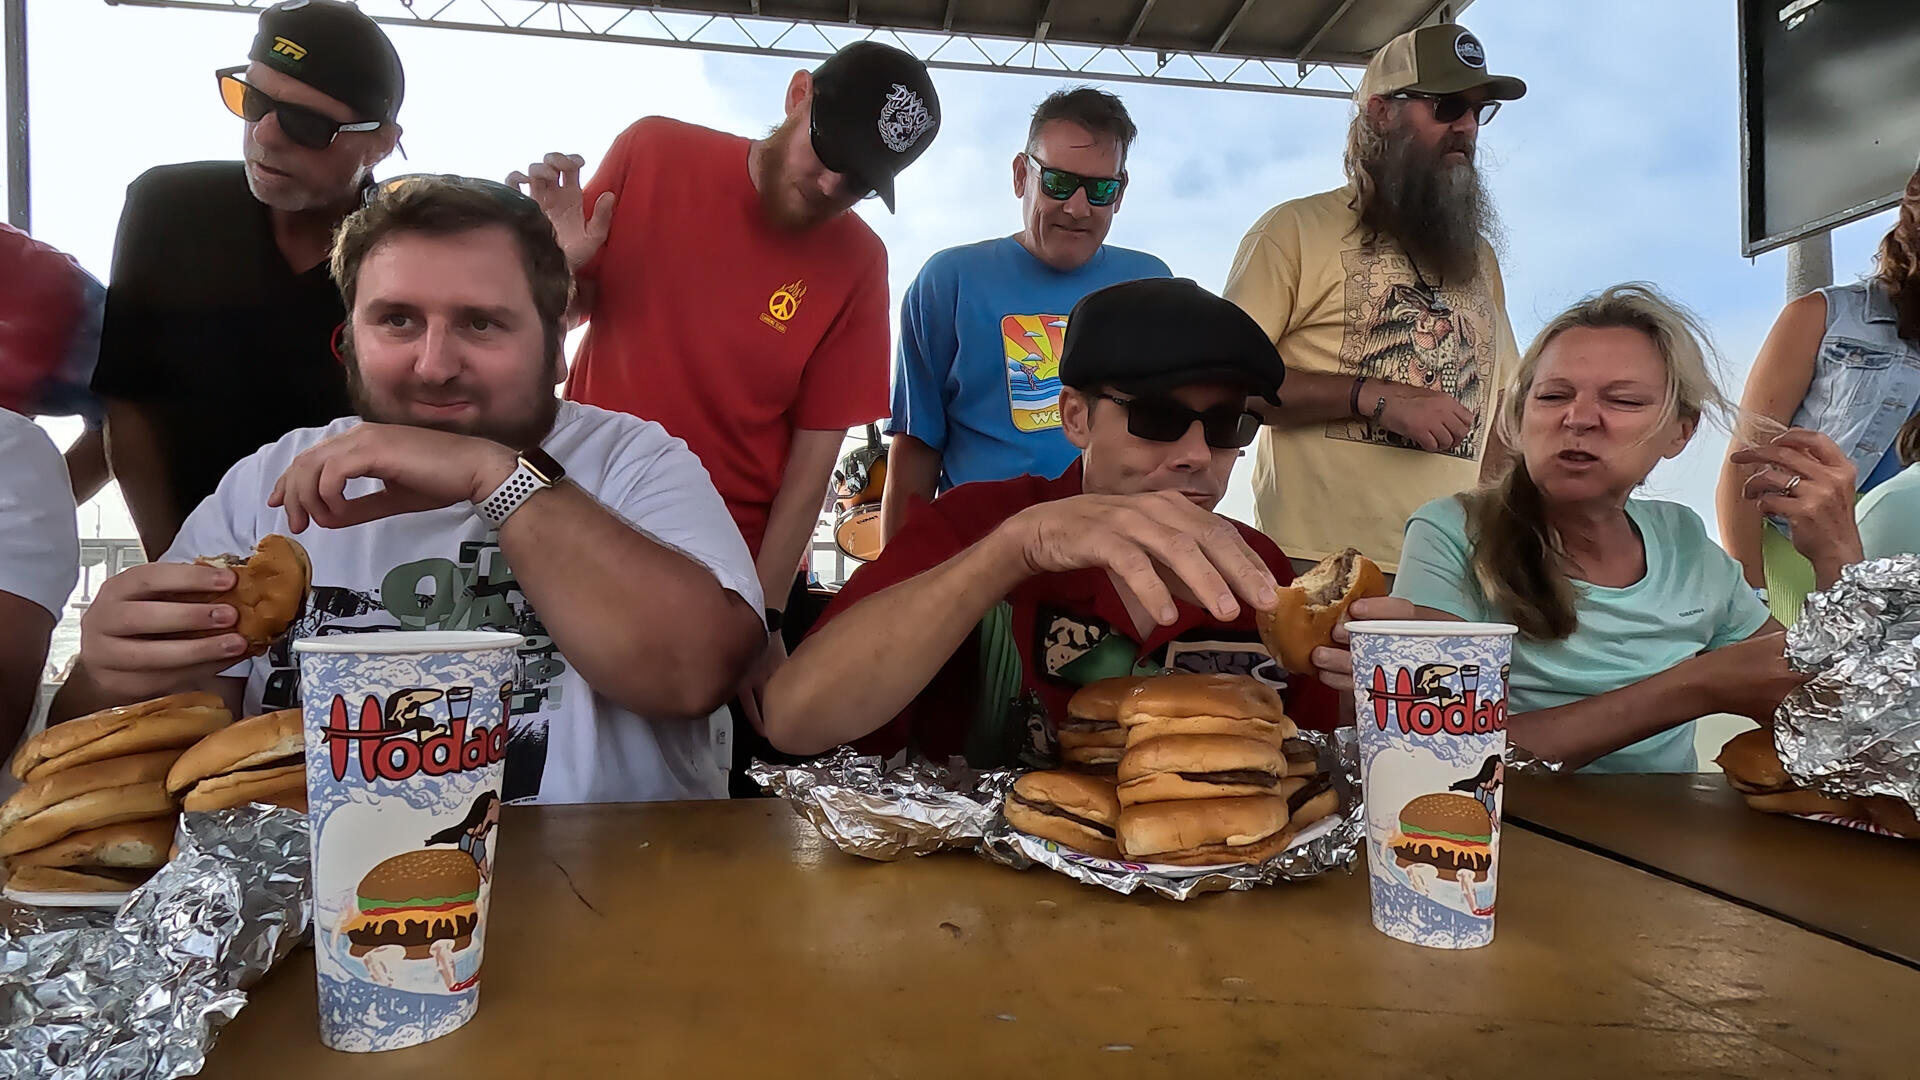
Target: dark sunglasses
{"type": "Point", "coordinates": [1060, 184]}
{"type": "Point", "coordinates": [850, 187]}
{"type": "Point", "coordinates": [304, 126]}
{"type": "Point", "coordinates": [1159, 419]}
{"type": "Point", "coordinates": [1450, 107]}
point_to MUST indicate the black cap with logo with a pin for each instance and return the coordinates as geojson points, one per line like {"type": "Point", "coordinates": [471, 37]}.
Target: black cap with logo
{"type": "Point", "coordinates": [874, 112]}
{"type": "Point", "coordinates": [1438, 60]}
{"type": "Point", "coordinates": [1159, 334]}
{"type": "Point", "coordinates": [337, 50]}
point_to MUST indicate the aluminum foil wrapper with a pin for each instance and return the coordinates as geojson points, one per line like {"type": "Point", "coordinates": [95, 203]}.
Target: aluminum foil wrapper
{"type": "Point", "coordinates": [1854, 730]}
{"type": "Point", "coordinates": [866, 809]}
{"type": "Point", "coordinates": [140, 993]}
{"type": "Point", "coordinates": [1334, 849]}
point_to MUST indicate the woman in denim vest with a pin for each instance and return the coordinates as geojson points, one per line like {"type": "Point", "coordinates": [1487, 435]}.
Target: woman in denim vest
{"type": "Point", "coordinates": [1845, 362]}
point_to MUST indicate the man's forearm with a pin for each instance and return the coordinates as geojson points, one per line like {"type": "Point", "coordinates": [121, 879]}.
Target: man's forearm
{"type": "Point", "coordinates": [795, 512]}
{"type": "Point", "coordinates": [1581, 732]}
{"type": "Point", "coordinates": [136, 460]}
{"type": "Point", "coordinates": [87, 465]}
{"type": "Point", "coordinates": [1308, 397]}
{"type": "Point", "coordinates": [645, 625]}
{"type": "Point", "coordinates": [890, 645]}
{"type": "Point", "coordinates": [913, 473]}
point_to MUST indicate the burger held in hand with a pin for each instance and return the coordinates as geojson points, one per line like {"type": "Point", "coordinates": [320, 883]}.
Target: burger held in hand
{"type": "Point", "coordinates": [95, 814]}
{"type": "Point", "coordinates": [1314, 604]}
{"type": "Point", "coordinates": [268, 589]}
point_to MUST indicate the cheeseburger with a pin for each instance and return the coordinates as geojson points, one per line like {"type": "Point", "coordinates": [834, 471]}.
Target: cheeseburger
{"type": "Point", "coordinates": [416, 899]}
{"type": "Point", "coordinates": [1205, 705]}
{"type": "Point", "coordinates": [1313, 605]}
{"type": "Point", "coordinates": [259, 759]}
{"type": "Point", "coordinates": [268, 589]}
{"type": "Point", "coordinates": [86, 797]}
{"type": "Point", "coordinates": [1449, 832]}
{"type": "Point", "coordinates": [1091, 738]}
{"type": "Point", "coordinates": [1752, 765]}
{"type": "Point", "coordinates": [1071, 809]}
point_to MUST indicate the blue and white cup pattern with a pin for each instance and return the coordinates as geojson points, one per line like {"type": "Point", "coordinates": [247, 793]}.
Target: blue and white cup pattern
{"type": "Point", "coordinates": [406, 736]}
{"type": "Point", "coordinates": [1431, 699]}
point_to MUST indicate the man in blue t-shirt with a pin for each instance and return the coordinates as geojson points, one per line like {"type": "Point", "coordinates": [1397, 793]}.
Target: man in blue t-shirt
{"type": "Point", "coordinates": [976, 384]}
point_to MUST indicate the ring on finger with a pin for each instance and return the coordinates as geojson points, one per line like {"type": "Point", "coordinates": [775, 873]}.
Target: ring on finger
{"type": "Point", "coordinates": [1791, 484]}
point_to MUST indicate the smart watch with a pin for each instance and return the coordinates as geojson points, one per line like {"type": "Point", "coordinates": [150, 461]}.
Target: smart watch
{"type": "Point", "coordinates": [535, 471]}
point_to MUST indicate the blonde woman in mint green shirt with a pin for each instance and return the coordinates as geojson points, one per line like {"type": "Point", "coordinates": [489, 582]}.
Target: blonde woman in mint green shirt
{"type": "Point", "coordinates": [1632, 623]}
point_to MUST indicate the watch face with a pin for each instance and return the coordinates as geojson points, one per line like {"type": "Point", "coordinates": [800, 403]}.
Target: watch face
{"type": "Point", "coordinates": [542, 462]}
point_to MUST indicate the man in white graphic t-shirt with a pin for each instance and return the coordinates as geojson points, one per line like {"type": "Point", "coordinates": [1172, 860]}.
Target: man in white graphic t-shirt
{"type": "Point", "coordinates": [466, 496]}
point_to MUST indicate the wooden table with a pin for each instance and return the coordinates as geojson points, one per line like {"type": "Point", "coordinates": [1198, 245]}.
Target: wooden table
{"type": "Point", "coordinates": [1852, 885]}
{"type": "Point", "coordinates": [727, 939]}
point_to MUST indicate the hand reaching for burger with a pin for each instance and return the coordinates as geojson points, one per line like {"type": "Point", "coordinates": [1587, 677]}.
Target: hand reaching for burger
{"type": "Point", "coordinates": [419, 468]}
{"type": "Point", "coordinates": [1157, 546]}
{"type": "Point", "coordinates": [134, 637]}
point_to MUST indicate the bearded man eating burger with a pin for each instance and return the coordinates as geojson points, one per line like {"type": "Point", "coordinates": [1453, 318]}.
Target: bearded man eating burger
{"type": "Point", "coordinates": [997, 601]}
{"type": "Point", "coordinates": [467, 498]}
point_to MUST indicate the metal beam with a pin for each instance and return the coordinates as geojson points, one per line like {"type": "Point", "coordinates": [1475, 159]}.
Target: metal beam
{"type": "Point", "coordinates": [1140, 20]}
{"type": "Point", "coordinates": [946, 21]}
{"type": "Point", "coordinates": [1044, 22]}
{"type": "Point", "coordinates": [1220, 42]}
{"type": "Point", "coordinates": [1307, 49]}
{"type": "Point", "coordinates": [1120, 63]}
{"type": "Point", "coordinates": [19, 172]}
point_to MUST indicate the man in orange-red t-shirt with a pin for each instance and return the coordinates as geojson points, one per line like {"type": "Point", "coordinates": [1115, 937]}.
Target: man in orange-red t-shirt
{"type": "Point", "coordinates": [734, 298]}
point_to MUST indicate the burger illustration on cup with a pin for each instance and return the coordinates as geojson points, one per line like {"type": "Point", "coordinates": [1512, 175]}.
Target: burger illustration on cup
{"type": "Point", "coordinates": [417, 905]}
{"type": "Point", "coordinates": [1445, 835]}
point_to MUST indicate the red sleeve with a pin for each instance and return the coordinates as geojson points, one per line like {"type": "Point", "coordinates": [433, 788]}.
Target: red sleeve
{"type": "Point", "coordinates": [845, 381]}
{"type": "Point", "coordinates": [1311, 703]}
{"type": "Point", "coordinates": [931, 536]}
{"type": "Point", "coordinates": [39, 310]}
{"type": "Point", "coordinates": [611, 175]}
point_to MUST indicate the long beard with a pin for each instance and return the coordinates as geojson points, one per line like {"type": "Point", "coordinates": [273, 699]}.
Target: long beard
{"type": "Point", "coordinates": [1439, 213]}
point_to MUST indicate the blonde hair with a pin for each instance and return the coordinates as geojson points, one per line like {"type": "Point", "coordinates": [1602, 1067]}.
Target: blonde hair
{"type": "Point", "coordinates": [1364, 145]}
{"type": "Point", "coordinates": [1517, 557]}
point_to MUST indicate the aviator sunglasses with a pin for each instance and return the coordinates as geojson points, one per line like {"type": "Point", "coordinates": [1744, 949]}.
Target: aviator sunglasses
{"type": "Point", "coordinates": [1450, 107]}
{"type": "Point", "coordinates": [303, 126]}
{"type": "Point", "coordinates": [1060, 184]}
{"type": "Point", "coordinates": [1164, 420]}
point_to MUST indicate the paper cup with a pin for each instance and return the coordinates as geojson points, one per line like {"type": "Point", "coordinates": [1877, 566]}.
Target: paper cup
{"type": "Point", "coordinates": [406, 735]}
{"type": "Point", "coordinates": [1432, 705]}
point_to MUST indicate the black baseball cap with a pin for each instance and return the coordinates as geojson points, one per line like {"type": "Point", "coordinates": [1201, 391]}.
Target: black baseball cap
{"type": "Point", "coordinates": [874, 112]}
{"type": "Point", "coordinates": [1158, 334]}
{"type": "Point", "coordinates": [337, 50]}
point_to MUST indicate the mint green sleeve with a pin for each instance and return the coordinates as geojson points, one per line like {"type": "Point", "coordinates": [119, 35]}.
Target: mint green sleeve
{"type": "Point", "coordinates": [1890, 524]}
{"type": "Point", "coordinates": [1436, 563]}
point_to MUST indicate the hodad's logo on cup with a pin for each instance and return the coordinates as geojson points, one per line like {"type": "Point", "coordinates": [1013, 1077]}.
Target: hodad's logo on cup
{"type": "Point", "coordinates": [396, 741]}
{"type": "Point", "coordinates": [1437, 699]}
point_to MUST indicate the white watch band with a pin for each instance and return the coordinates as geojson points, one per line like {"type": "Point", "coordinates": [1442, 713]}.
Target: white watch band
{"type": "Point", "coordinates": [514, 490]}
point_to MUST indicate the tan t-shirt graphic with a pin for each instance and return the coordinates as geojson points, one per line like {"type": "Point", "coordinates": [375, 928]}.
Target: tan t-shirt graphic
{"type": "Point", "coordinates": [1334, 304]}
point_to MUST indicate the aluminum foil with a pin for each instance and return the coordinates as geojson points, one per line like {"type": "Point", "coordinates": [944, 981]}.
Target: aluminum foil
{"type": "Point", "coordinates": [866, 809]}
{"type": "Point", "coordinates": [1854, 730]}
{"type": "Point", "coordinates": [1334, 849]}
{"type": "Point", "coordinates": [139, 994]}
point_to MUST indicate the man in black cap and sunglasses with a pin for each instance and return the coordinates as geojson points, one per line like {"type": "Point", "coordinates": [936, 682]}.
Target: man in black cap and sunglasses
{"type": "Point", "coordinates": [999, 599]}
{"type": "Point", "coordinates": [1385, 300]}
{"type": "Point", "coordinates": [220, 315]}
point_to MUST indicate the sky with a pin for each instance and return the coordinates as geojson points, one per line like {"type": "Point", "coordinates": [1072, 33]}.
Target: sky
{"type": "Point", "coordinates": [1621, 163]}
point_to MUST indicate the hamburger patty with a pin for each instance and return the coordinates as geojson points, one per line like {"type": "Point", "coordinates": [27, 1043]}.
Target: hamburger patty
{"type": "Point", "coordinates": [1090, 725]}
{"type": "Point", "coordinates": [1331, 590]}
{"type": "Point", "coordinates": [1054, 811]}
{"type": "Point", "coordinates": [1233, 776]}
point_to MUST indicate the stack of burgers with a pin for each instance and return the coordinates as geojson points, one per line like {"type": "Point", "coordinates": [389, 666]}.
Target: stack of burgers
{"type": "Point", "coordinates": [1209, 770]}
{"type": "Point", "coordinates": [261, 759]}
{"type": "Point", "coordinates": [95, 814]}
{"type": "Point", "coordinates": [1752, 765]}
